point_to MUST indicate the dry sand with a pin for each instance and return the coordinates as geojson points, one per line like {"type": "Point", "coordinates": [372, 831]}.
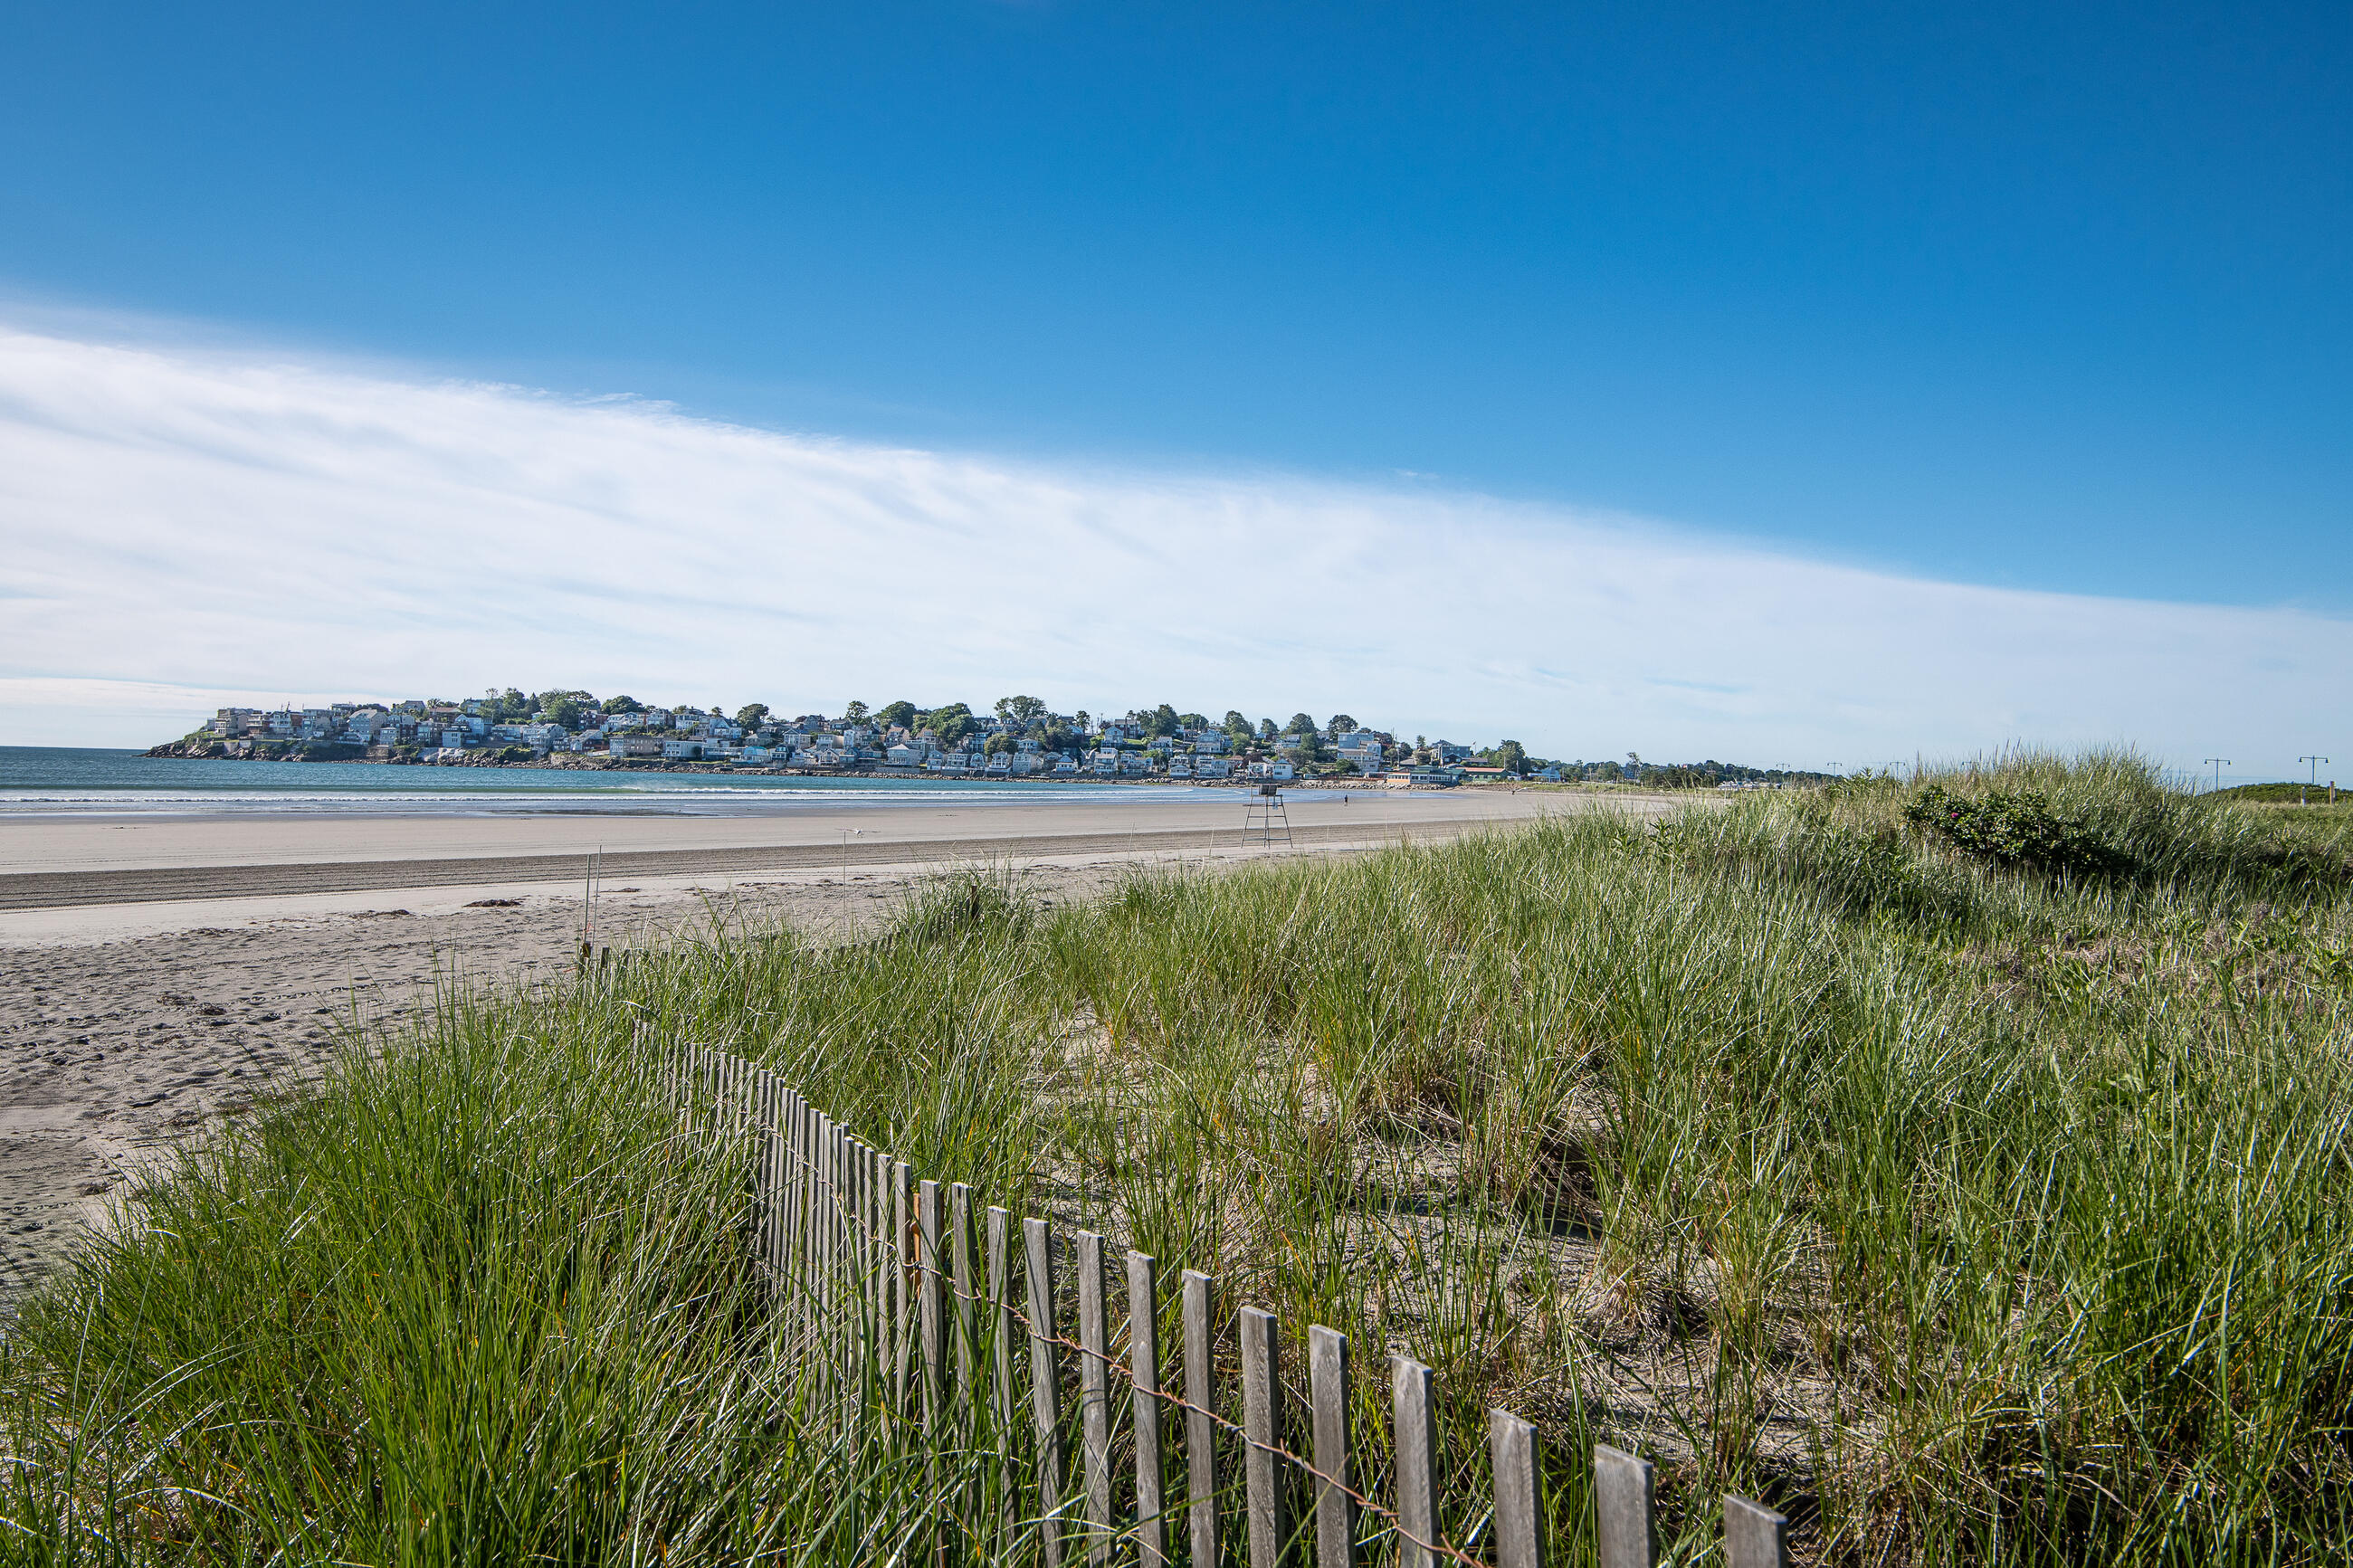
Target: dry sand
{"type": "Point", "coordinates": [157, 974]}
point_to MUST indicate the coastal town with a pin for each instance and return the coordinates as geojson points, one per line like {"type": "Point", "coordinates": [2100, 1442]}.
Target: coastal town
{"type": "Point", "coordinates": [1017, 738]}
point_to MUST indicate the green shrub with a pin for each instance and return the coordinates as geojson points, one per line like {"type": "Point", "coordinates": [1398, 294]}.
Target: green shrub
{"type": "Point", "coordinates": [2014, 828]}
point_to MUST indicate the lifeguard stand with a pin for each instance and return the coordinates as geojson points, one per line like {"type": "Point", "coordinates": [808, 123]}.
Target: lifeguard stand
{"type": "Point", "coordinates": [1265, 816]}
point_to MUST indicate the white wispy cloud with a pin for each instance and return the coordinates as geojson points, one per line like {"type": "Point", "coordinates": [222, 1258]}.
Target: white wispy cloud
{"type": "Point", "coordinates": [186, 528]}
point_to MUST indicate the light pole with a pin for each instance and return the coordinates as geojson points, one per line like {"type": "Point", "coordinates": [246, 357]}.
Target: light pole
{"type": "Point", "coordinates": [2306, 799]}
{"type": "Point", "coordinates": [2220, 764]}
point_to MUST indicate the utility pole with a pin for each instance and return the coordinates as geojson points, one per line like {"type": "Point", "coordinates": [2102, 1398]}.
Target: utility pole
{"type": "Point", "coordinates": [2304, 798]}
{"type": "Point", "coordinates": [2220, 764]}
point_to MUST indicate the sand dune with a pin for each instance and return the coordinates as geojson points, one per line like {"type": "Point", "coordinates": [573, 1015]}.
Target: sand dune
{"type": "Point", "coordinates": [158, 974]}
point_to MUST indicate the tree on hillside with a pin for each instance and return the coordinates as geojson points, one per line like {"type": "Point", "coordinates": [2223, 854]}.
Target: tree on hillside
{"type": "Point", "coordinates": [856, 713]}
{"type": "Point", "coordinates": [1340, 726]}
{"type": "Point", "coordinates": [1509, 755]}
{"type": "Point", "coordinates": [1019, 713]}
{"type": "Point", "coordinates": [752, 715]}
{"type": "Point", "coordinates": [1266, 730]}
{"type": "Point", "coordinates": [950, 724]}
{"type": "Point", "coordinates": [622, 705]}
{"type": "Point", "coordinates": [563, 710]}
{"type": "Point", "coordinates": [901, 713]}
{"type": "Point", "coordinates": [1235, 723]}
{"type": "Point", "coordinates": [1300, 724]}
{"type": "Point", "coordinates": [1191, 721]}
{"type": "Point", "coordinates": [1161, 720]}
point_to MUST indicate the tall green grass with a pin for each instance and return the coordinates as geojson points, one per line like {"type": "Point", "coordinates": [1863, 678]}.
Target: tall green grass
{"type": "Point", "coordinates": [1971, 1212]}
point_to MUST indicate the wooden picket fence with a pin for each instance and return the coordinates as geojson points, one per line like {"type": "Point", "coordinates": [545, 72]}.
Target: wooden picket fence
{"type": "Point", "coordinates": [875, 1269]}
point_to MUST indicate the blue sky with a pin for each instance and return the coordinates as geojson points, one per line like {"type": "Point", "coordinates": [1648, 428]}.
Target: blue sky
{"type": "Point", "coordinates": [2041, 298]}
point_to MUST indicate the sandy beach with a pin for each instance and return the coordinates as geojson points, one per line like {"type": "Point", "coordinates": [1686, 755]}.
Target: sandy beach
{"type": "Point", "coordinates": [159, 973]}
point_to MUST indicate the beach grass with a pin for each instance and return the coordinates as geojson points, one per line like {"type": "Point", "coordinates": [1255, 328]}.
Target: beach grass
{"type": "Point", "coordinates": [1961, 1170]}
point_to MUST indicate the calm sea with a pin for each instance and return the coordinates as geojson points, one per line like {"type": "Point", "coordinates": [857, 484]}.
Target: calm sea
{"type": "Point", "coordinates": [78, 782]}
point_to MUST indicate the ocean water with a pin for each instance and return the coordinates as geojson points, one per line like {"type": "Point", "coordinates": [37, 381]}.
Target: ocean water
{"type": "Point", "coordinates": [71, 781]}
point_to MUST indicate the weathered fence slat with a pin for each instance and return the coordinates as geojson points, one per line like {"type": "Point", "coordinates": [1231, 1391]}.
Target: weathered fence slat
{"type": "Point", "coordinates": [1200, 1432]}
{"type": "Point", "coordinates": [1263, 1425]}
{"type": "Point", "coordinates": [1415, 1422]}
{"type": "Point", "coordinates": [967, 1290]}
{"type": "Point", "coordinates": [1625, 1533]}
{"type": "Point", "coordinates": [1045, 1394]}
{"type": "Point", "coordinates": [877, 1184]}
{"type": "Point", "coordinates": [1144, 1372]}
{"type": "Point", "coordinates": [1095, 1395]}
{"type": "Point", "coordinates": [1000, 1311]}
{"type": "Point", "coordinates": [1519, 1507]}
{"type": "Point", "coordinates": [1327, 1379]}
{"type": "Point", "coordinates": [931, 1317]}
{"type": "Point", "coordinates": [1754, 1535]}
{"type": "Point", "coordinates": [902, 1335]}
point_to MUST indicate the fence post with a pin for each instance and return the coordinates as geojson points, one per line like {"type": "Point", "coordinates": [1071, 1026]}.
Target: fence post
{"type": "Point", "coordinates": [1000, 1348]}
{"type": "Point", "coordinates": [1045, 1399]}
{"type": "Point", "coordinates": [1144, 1371]}
{"type": "Point", "coordinates": [795, 1196]}
{"type": "Point", "coordinates": [1624, 1528]}
{"type": "Point", "coordinates": [1200, 1431]}
{"type": "Point", "coordinates": [772, 1160]}
{"type": "Point", "coordinates": [1263, 1425]}
{"type": "Point", "coordinates": [1519, 1511]}
{"type": "Point", "coordinates": [1754, 1535]}
{"type": "Point", "coordinates": [821, 1211]}
{"type": "Point", "coordinates": [1000, 1310]}
{"type": "Point", "coordinates": [874, 1183]}
{"type": "Point", "coordinates": [927, 1265]}
{"type": "Point", "coordinates": [1095, 1395]}
{"type": "Point", "coordinates": [902, 1347]}
{"type": "Point", "coordinates": [1327, 1381]}
{"type": "Point", "coordinates": [1417, 1461]}
{"type": "Point", "coordinates": [960, 1255]}
{"type": "Point", "coordinates": [767, 1185]}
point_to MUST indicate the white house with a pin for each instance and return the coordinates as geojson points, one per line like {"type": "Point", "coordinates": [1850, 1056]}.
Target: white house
{"type": "Point", "coordinates": [682, 751]}
{"type": "Point", "coordinates": [1212, 767]}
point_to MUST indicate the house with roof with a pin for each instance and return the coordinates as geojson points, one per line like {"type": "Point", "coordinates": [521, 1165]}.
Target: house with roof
{"type": "Point", "coordinates": [1361, 747]}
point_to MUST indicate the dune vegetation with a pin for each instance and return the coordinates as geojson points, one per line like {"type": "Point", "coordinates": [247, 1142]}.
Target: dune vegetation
{"type": "Point", "coordinates": [1959, 1163]}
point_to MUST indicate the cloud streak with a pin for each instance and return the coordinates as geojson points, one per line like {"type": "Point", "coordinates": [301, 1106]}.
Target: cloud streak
{"type": "Point", "coordinates": [186, 528]}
